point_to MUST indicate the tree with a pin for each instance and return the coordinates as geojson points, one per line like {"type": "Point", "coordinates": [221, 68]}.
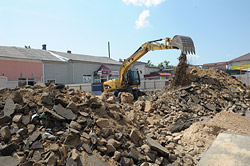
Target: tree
{"type": "Point", "coordinates": [165, 65]}
{"type": "Point", "coordinates": [150, 64]}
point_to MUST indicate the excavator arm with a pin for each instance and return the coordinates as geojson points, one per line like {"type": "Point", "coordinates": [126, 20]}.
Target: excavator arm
{"type": "Point", "coordinates": [184, 43]}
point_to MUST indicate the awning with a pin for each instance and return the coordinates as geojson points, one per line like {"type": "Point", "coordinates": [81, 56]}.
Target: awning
{"type": "Point", "coordinates": [103, 68]}
{"type": "Point", "coordinates": [157, 74]}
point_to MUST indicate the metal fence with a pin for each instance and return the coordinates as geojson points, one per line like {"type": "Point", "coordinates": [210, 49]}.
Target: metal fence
{"type": "Point", "coordinates": [145, 85]}
{"type": "Point", "coordinates": [244, 78]}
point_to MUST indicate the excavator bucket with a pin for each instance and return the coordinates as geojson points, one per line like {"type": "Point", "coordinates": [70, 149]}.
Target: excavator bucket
{"type": "Point", "coordinates": [184, 43]}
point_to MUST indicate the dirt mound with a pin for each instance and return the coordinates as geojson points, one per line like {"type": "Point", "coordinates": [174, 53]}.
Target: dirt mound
{"type": "Point", "coordinates": [202, 134]}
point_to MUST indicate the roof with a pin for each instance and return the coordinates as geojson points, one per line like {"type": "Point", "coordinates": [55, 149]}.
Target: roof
{"type": "Point", "coordinates": [26, 53]}
{"type": "Point", "coordinates": [44, 55]}
{"type": "Point", "coordinates": [245, 57]}
{"type": "Point", "coordinates": [103, 68]}
{"type": "Point", "coordinates": [214, 64]}
{"type": "Point", "coordinates": [87, 58]}
{"type": "Point", "coordinates": [157, 74]}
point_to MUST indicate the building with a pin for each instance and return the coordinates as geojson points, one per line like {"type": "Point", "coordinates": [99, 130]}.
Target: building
{"type": "Point", "coordinates": [78, 69]}
{"type": "Point", "coordinates": [26, 66]}
{"type": "Point", "coordinates": [242, 62]}
{"type": "Point", "coordinates": [143, 69]}
{"type": "Point", "coordinates": [218, 65]}
{"type": "Point", "coordinates": [157, 76]}
{"type": "Point", "coordinates": [19, 66]}
{"type": "Point", "coordinates": [238, 67]}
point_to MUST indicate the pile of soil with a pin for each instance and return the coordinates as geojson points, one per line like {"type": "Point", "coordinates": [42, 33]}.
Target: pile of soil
{"type": "Point", "coordinates": [202, 134]}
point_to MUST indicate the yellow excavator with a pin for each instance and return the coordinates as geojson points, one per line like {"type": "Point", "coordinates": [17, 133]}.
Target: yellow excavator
{"type": "Point", "coordinates": [130, 79]}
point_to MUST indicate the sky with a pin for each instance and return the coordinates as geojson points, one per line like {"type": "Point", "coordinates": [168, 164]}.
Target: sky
{"type": "Point", "coordinates": [220, 29]}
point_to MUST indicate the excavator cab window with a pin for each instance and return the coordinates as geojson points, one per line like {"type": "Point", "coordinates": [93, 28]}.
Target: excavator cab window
{"type": "Point", "coordinates": [133, 77]}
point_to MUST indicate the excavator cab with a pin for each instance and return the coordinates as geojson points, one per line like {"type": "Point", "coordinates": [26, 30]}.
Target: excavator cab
{"type": "Point", "coordinates": [132, 78]}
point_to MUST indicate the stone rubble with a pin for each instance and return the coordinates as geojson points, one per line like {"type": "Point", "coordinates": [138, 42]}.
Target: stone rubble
{"type": "Point", "coordinates": [51, 125]}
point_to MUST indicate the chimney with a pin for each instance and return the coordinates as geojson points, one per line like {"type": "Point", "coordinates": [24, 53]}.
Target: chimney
{"type": "Point", "coordinates": [44, 47]}
{"type": "Point", "coordinates": [69, 52]}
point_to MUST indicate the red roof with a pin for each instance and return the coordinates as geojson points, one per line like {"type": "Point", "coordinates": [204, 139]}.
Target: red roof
{"type": "Point", "coordinates": [103, 68]}
{"type": "Point", "coordinates": [157, 74]}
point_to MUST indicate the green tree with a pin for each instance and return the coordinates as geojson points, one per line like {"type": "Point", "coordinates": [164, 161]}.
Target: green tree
{"type": "Point", "coordinates": [150, 64]}
{"type": "Point", "coordinates": [165, 65]}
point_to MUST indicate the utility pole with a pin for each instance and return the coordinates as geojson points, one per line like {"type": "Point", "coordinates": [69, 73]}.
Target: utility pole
{"type": "Point", "coordinates": [109, 49]}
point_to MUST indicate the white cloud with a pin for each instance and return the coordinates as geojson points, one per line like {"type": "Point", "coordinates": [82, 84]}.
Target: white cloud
{"type": "Point", "coordinates": [146, 3]}
{"type": "Point", "coordinates": [142, 21]}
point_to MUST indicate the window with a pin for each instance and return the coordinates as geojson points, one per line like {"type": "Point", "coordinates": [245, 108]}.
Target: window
{"type": "Point", "coordinates": [87, 79]}
{"type": "Point", "coordinates": [26, 81]}
{"type": "Point", "coordinates": [51, 81]}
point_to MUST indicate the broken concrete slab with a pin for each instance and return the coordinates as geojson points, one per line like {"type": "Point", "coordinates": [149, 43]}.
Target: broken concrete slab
{"type": "Point", "coordinates": [17, 97]}
{"type": "Point", "coordinates": [33, 137]}
{"type": "Point", "coordinates": [195, 99]}
{"type": "Point", "coordinates": [37, 145]}
{"type": "Point", "coordinates": [156, 146]}
{"type": "Point", "coordinates": [211, 107]}
{"type": "Point", "coordinates": [66, 113]}
{"type": "Point", "coordinates": [91, 160]}
{"type": "Point", "coordinates": [8, 161]}
{"type": "Point", "coordinates": [46, 98]}
{"type": "Point", "coordinates": [228, 149]}
{"type": "Point", "coordinates": [134, 136]}
{"type": "Point", "coordinates": [102, 122]}
{"type": "Point", "coordinates": [5, 133]}
{"type": "Point", "coordinates": [9, 107]}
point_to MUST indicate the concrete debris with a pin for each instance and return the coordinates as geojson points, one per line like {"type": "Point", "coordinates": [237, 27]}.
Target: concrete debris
{"type": "Point", "coordinates": [51, 125]}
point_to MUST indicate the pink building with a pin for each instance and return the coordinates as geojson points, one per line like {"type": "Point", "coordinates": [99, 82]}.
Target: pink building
{"type": "Point", "coordinates": [21, 66]}
{"type": "Point", "coordinates": [15, 69]}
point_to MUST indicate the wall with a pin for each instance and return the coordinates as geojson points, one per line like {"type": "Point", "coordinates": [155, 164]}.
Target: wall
{"type": "Point", "coordinates": [87, 68]}
{"type": "Point", "coordinates": [153, 84]}
{"type": "Point", "coordinates": [236, 65]}
{"type": "Point", "coordinates": [244, 78]}
{"type": "Point", "coordinates": [73, 71]}
{"type": "Point", "coordinates": [143, 69]}
{"type": "Point", "coordinates": [84, 87]}
{"type": "Point", "coordinates": [4, 83]}
{"type": "Point", "coordinates": [12, 69]}
{"type": "Point", "coordinates": [59, 71]}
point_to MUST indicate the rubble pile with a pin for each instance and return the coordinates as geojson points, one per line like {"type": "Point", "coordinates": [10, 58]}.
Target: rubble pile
{"type": "Point", "coordinates": [52, 125]}
{"type": "Point", "coordinates": [166, 113]}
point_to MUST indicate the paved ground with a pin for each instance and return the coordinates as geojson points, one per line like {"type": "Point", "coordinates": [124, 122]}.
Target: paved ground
{"type": "Point", "coordinates": [228, 149]}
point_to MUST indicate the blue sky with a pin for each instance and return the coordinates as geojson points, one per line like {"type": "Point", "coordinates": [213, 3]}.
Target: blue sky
{"type": "Point", "coordinates": [220, 29]}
